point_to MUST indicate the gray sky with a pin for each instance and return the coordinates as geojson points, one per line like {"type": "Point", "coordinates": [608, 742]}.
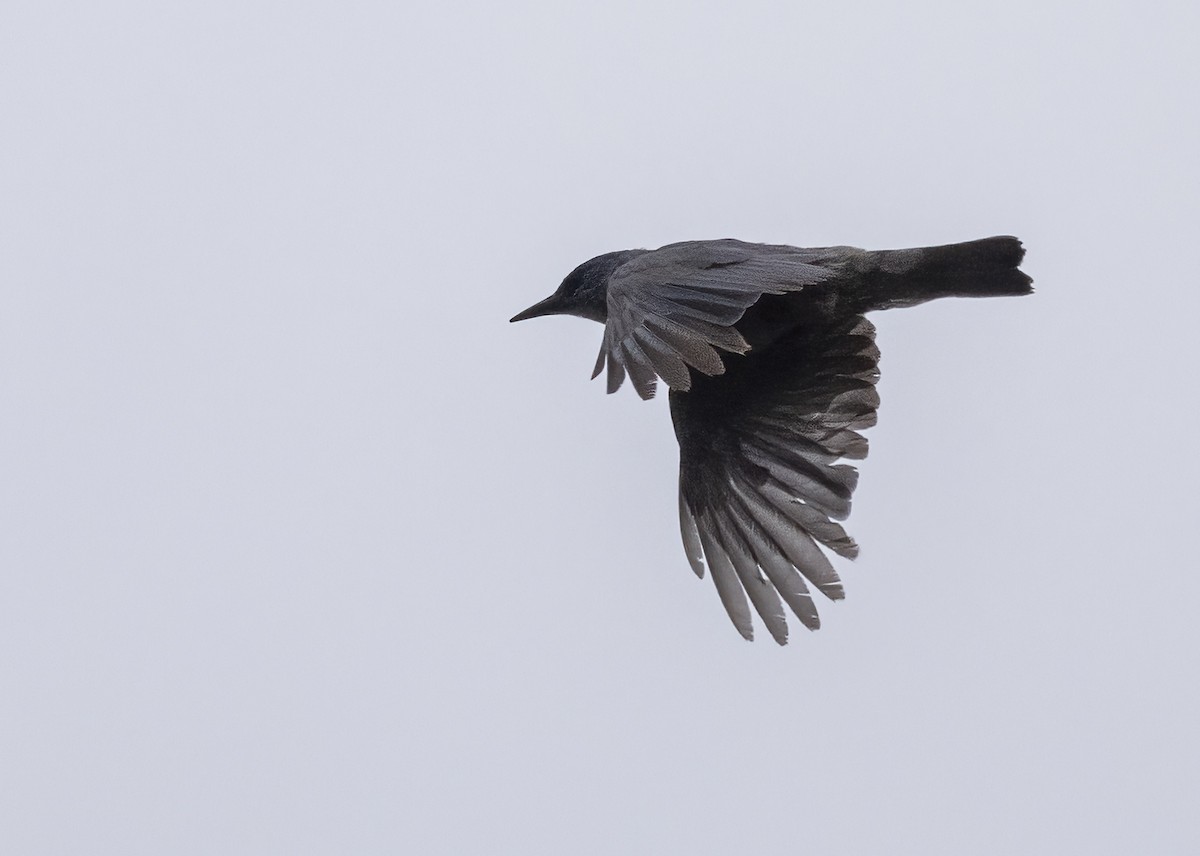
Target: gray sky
{"type": "Point", "coordinates": [304, 549]}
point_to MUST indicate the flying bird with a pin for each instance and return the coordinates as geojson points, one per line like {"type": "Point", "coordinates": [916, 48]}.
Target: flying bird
{"type": "Point", "coordinates": [771, 365]}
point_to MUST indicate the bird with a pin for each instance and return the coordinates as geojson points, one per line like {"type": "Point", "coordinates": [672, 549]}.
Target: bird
{"type": "Point", "coordinates": [772, 367]}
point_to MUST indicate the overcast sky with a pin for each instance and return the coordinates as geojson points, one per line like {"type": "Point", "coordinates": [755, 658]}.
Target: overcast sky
{"type": "Point", "coordinates": [305, 550]}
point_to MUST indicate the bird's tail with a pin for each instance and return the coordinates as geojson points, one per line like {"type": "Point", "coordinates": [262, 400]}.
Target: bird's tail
{"type": "Point", "coordinates": [983, 268]}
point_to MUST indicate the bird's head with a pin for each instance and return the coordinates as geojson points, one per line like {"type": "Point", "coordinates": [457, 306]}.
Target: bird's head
{"type": "Point", "coordinates": [585, 290]}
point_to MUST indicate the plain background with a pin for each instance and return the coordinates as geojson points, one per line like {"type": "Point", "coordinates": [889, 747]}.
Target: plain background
{"type": "Point", "coordinates": [304, 549]}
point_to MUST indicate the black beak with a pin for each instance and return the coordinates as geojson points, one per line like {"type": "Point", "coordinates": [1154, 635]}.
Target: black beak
{"type": "Point", "coordinates": [549, 306]}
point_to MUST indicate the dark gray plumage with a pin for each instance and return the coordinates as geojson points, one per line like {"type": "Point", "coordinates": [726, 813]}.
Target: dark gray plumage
{"type": "Point", "coordinates": [772, 369]}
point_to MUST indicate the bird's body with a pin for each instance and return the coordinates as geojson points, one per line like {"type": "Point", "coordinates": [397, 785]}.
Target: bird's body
{"type": "Point", "coordinates": [772, 369]}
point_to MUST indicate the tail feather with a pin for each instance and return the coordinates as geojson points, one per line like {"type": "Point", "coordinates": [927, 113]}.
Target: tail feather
{"type": "Point", "coordinates": [985, 268]}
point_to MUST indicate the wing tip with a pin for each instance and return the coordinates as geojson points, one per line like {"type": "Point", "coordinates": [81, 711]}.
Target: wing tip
{"type": "Point", "coordinates": [646, 391]}
{"type": "Point", "coordinates": [833, 592]}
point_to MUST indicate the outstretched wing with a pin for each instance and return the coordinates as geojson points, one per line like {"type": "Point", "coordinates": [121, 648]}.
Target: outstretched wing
{"type": "Point", "coordinates": [675, 307]}
{"type": "Point", "coordinates": [759, 482]}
